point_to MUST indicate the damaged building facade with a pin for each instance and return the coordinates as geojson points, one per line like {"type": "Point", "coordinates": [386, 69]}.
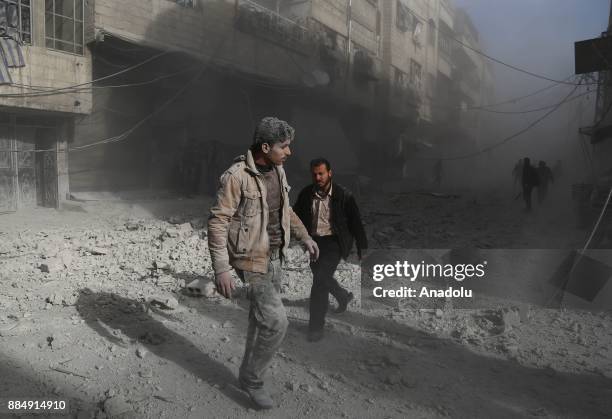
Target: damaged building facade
{"type": "Point", "coordinates": [42, 51]}
{"type": "Point", "coordinates": [180, 85]}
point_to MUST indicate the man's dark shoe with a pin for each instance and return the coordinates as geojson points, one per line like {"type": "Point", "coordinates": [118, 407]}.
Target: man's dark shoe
{"type": "Point", "coordinates": [259, 396]}
{"type": "Point", "coordinates": [342, 305]}
{"type": "Point", "coordinates": [315, 335]}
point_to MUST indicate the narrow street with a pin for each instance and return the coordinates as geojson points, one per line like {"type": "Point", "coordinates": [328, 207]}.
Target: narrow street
{"type": "Point", "coordinates": [94, 310]}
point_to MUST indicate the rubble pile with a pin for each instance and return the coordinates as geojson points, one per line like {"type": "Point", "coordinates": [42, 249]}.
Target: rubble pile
{"type": "Point", "coordinates": [118, 312]}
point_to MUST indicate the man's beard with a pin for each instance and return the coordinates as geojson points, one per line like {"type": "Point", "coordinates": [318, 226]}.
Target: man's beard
{"type": "Point", "coordinates": [325, 187]}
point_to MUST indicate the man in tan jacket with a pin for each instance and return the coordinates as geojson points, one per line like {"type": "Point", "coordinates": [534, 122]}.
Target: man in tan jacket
{"type": "Point", "coordinates": [249, 230]}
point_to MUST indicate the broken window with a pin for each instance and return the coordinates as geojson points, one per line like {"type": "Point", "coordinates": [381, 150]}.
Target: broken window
{"type": "Point", "coordinates": [431, 36]}
{"type": "Point", "coordinates": [403, 17]}
{"type": "Point", "coordinates": [416, 71]}
{"type": "Point", "coordinates": [399, 78]}
{"type": "Point", "coordinates": [444, 44]}
{"type": "Point", "coordinates": [16, 20]}
{"type": "Point", "coordinates": [64, 25]}
{"type": "Point", "coordinates": [186, 3]}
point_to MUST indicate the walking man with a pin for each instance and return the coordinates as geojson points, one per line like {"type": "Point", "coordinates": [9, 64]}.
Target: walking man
{"type": "Point", "coordinates": [529, 180]}
{"type": "Point", "coordinates": [249, 229]}
{"type": "Point", "coordinates": [331, 214]}
{"type": "Point", "coordinates": [545, 177]}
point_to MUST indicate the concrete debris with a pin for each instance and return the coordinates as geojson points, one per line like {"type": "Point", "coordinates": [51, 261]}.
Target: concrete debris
{"type": "Point", "coordinates": [164, 302]}
{"type": "Point", "coordinates": [306, 387]}
{"type": "Point", "coordinates": [66, 257]}
{"type": "Point", "coordinates": [52, 265]}
{"type": "Point", "coordinates": [161, 265]}
{"type": "Point", "coordinates": [175, 219]}
{"type": "Point", "coordinates": [172, 233]}
{"type": "Point", "coordinates": [116, 407]}
{"type": "Point", "coordinates": [97, 251]}
{"type": "Point", "coordinates": [510, 319]}
{"type": "Point", "coordinates": [57, 299]}
{"type": "Point", "coordinates": [201, 287]}
{"type": "Point", "coordinates": [141, 352]}
{"type": "Point", "coordinates": [131, 226]}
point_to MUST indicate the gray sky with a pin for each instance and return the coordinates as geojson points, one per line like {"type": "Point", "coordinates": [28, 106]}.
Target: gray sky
{"type": "Point", "coordinates": [537, 35]}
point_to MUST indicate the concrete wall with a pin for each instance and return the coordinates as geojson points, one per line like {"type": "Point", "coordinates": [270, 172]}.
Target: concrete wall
{"type": "Point", "coordinates": [49, 68]}
{"type": "Point", "coordinates": [205, 31]}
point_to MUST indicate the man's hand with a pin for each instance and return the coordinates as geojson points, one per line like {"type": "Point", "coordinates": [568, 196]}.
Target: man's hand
{"type": "Point", "coordinates": [225, 284]}
{"type": "Point", "coordinates": [313, 249]}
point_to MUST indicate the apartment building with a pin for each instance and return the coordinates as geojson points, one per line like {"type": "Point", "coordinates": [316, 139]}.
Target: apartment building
{"type": "Point", "coordinates": [43, 48]}
{"type": "Point", "coordinates": [362, 81]}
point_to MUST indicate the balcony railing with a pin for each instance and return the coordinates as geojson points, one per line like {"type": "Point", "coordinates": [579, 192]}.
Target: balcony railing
{"type": "Point", "coordinates": [259, 21]}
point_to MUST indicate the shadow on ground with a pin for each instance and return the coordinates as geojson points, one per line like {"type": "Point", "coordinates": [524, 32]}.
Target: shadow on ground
{"type": "Point", "coordinates": [101, 310]}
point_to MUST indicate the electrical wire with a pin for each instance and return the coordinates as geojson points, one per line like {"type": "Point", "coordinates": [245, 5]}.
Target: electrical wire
{"type": "Point", "coordinates": [496, 60]}
{"type": "Point", "coordinates": [510, 137]}
{"type": "Point", "coordinates": [72, 87]}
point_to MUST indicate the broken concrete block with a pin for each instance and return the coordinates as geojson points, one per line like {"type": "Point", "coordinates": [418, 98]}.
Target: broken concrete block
{"type": "Point", "coordinates": [97, 251]}
{"type": "Point", "coordinates": [57, 299]}
{"type": "Point", "coordinates": [164, 266]}
{"type": "Point", "coordinates": [175, 219]}
{"type": "Point", "coordinates": [132, 226]}
{"type": "Point", "coordinates": [164, 302]}
{"type": "Point", "coordinates": [171, 232]}
{"type": "Point", "coordinates": [510, 319]}
{"type": "Point", "coordinates": [201, 287]}
{"type": "Point", "coordinates": [141, 352]}
{"type": "Point", "coordinates": [184, 228]}
{"type": "Point", "coordinates": [66, 257]}
{"type": "Point", "coordinates": [116, 407]}
{"type": "Point", "coordinates": [51, 265]}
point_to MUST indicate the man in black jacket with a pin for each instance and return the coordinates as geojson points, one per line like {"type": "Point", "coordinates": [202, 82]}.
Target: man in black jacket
{"type": "Point", "coordinates": [331, 215]}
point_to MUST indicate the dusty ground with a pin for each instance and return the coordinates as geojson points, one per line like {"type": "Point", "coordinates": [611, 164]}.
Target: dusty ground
{"type": "Point", "coordinates": [84, 331]}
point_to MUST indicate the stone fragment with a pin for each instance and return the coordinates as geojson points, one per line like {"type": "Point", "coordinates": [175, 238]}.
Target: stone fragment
{"type": "Point", "coordinates": [164, 302]}
{"type": "Point", "coordinates": [51, 265]}
{"type": "Point", "coordinates": [117, 406]}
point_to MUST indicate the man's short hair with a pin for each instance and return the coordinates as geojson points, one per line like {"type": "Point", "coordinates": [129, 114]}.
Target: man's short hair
{"type": "Point", "coordinates": [319, 161]}
{"type": "Point", "coordinates": [271, 130]}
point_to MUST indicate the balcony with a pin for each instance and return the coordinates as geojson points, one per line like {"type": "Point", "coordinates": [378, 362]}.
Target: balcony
{"type": "Point", "coordinates": [404, 101]}
{"type": "Point", "coordinates": [261, 22]}
{"type": "Point", "coordinates": [366, 68]}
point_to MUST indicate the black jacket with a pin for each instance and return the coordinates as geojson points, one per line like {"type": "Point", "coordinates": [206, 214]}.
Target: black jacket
{"type": "Point", "coordinates": [345, 219]}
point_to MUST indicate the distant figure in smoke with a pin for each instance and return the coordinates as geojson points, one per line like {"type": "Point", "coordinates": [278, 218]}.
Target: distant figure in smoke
{"type": "Point", "coordinates": [557, 170]}
{"type": "Point", "coordinates": [545, 176]}
{"type": "Point", "coordinates": [191, 167]}
{"type": "Point", "coordinates": [529, 180]}
{"type": "Point", "coordinates": [437, 173]}
{"type": "Point", "coordinates": [331, 214]}
{"type": "Point", "coordinates": [517, 172]}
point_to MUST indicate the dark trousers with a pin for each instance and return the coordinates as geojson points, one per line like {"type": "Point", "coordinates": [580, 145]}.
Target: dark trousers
{"type": "Point", "coordinates": [527, 196]}
{"type": "Point", "coordinates": [323, 281]}
{"type": "Point", "coordinates": [542, 192]}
